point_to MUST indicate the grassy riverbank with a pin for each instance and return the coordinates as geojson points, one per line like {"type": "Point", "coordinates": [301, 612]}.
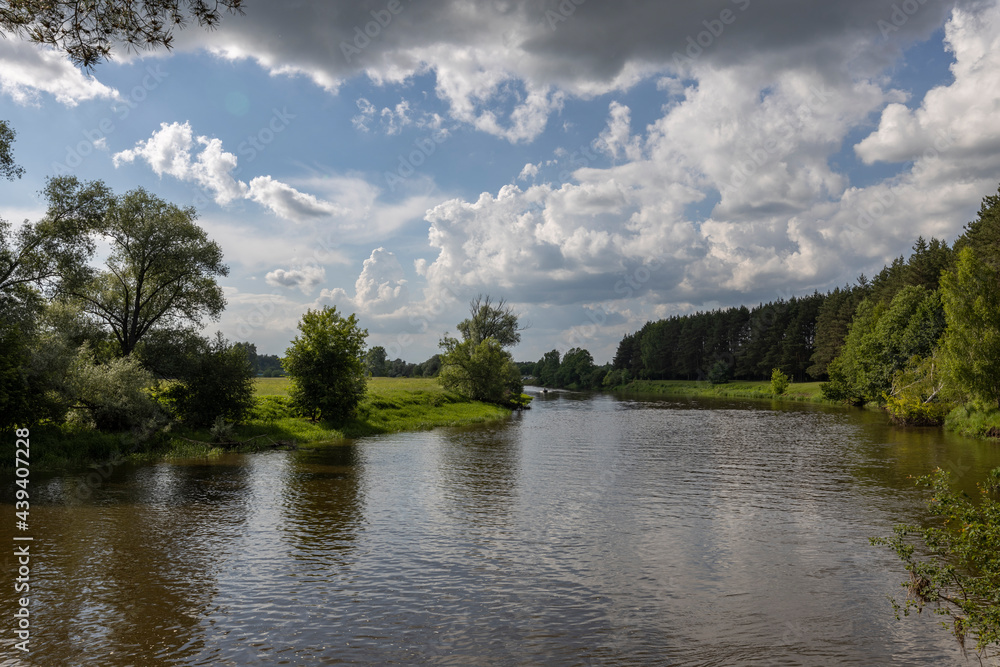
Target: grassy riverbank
{"type": "Point", "coordinates": [974, 422]}
{"type": "Point", "coordinates": [798, 391]}
{"type": "Point", "coordinates": [966, 420]}
{"type": "Point", "coordinates": [391, 405]}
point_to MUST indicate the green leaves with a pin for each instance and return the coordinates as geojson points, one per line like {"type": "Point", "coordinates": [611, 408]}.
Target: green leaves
{"type": "Point", "coordinates": [779, 382]}
{"type": "Point", "coordinates": [8, 168]}
{"type": "Point", "coordinates": [482, 372]}
{"type": "Point", "coordinates": [881, 340]}
{"type": "Point", "coordinates": [326, 365]}
{"type": "Point", "coordinates": [918, 394]}
{"type": "Point", "coordinates": [971, 343]}
{"type": "Point", "coordinates": [955, 564]}
{"type": "Point", "coordinates": [216, 382]}
{"type": "Point", "coordinates": [51, 255]}
{"type": "Point", "coordinates": [477, 366]}
{"type": "Point", "coordinates": [161, 271]}
{"type": "Point", "coordinates": [497, 321]}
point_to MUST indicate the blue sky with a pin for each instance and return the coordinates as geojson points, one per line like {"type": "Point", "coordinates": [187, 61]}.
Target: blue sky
{"type": "Point", "coordinates": [571, 157]}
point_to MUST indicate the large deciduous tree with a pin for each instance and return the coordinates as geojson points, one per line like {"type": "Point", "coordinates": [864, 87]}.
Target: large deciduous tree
{"type": "Point", "coordinates": [483, 372]}
{"type": "Point", "coordinates": [882, 339]}
{"type": "Point", "coordinates": [326, 365]}
{"type": "Point", "coordinates": [971, 342]}
{"type": "Point", "coordinates": [88, 30]}
{"type": "Point", "coordinates": [161, 271]}
{"type": "Point", "coordinates": [51, 254]}
{"type": "Point", "coordinates": [478, 366]}
{"type": "Point", "coordinates": [491, 320]}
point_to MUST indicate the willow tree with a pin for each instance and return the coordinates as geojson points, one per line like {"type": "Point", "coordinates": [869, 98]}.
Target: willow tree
{"type": "Point", "coordinates": [478, 366]}
{"type": "Point", "coordinates": [160, 274]}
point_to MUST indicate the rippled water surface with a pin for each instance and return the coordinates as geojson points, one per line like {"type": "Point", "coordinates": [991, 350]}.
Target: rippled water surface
{"type": "Point", "coordinates": [589, 530]}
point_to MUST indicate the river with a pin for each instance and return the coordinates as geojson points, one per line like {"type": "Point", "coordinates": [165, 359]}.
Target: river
{"type": "Point", "coordinates": [588, 530]}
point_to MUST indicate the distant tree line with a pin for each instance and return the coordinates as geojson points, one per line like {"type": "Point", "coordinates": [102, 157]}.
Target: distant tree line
{"type": "Point", "coordinates": [263, 365]}
{"type": "Point", "coordinates": [888, 339]}
{"type": "Point", "coordinates": [378, 365]}
{"type": "Point", "coordinates": [800, 336]}
{"type": "Point", "coordinates": [574, 370]}
{"type": "Point", "coordinates": [919, 337]}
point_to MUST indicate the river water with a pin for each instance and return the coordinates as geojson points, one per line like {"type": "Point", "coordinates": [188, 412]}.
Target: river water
{"type": "Point", "coordinates": [588, 530]}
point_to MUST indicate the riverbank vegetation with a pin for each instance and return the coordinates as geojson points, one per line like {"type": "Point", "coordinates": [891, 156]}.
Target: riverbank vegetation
{"type": "Point", "coordinates": [390, 405]}
{"type": "Point", "coordinates": [478, 366]}
{"type": "Point", "coordinates": [798, 391]}
{"type": "Point", "coordinates": [103, 361]}
{"type": "Point", "coordinates": [954, 564]}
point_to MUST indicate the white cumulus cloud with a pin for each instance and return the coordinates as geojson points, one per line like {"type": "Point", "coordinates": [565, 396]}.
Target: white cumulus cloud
{"type": "Point", "coordinates": [169, 151]}
{"type": "Point", "coordinates": [306, 278]}
{"type": "Point", "coordinates": [28, 69]}
{"type": "Point", "coordinates": [380, 289]}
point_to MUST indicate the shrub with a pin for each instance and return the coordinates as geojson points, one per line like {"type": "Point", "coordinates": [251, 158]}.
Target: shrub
{"type": "Point", "coordinates": [719, 373]}
{"type": "Point", "coordinates": [953, 563]}
{"type": "Point", "coordinates": [111, 396]}
{"type": "Point", "coordinates": [217, 382]}
{"type": "Point", "coordinates": [615, 378]}
{"type": "Point", "coordinates": [974, 421]}
{"type": "Point", "coordinates": [779, 382]}
{"type": "Point", "coordinates": [916, 395]}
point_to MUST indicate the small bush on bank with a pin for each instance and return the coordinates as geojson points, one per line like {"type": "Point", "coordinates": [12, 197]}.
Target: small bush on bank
{"type": "Point", "coordinates": [218, 382]}
{"type": "Point", "coordinates": [719, 373]}
{"type": "Point", "coordinates": [779, 382]}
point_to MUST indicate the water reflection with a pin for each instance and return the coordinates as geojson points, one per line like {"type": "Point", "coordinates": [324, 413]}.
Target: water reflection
{"type": "Point", "coordinates": [322, 502]}
{"type": "Point", "coordinates": [478, 469]}
{"type": "Point", "coordinates": [135, 564]}
{"type": "Point", "coordinates": [590, 530]}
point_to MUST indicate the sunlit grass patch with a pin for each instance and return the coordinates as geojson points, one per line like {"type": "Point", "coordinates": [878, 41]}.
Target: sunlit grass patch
{"type": "Point", "coordinates": [797, 391]}
{"type": "Point", "coordinates": [390, 405]}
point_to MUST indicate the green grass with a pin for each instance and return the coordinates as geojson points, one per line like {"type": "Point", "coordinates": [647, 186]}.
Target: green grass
{"type": "Point", "coordinates": [391, 405]}
{"type": "Point", "coordinates": [273, 386]}
{"type": "Point", "coordinates": [797, 391]}
{"type": "Point", "coordinates": [974, 422]}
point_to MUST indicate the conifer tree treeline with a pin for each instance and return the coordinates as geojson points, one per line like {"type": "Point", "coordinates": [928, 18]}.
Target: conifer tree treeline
{"type": "Point", "coordinates": [891, 320]}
